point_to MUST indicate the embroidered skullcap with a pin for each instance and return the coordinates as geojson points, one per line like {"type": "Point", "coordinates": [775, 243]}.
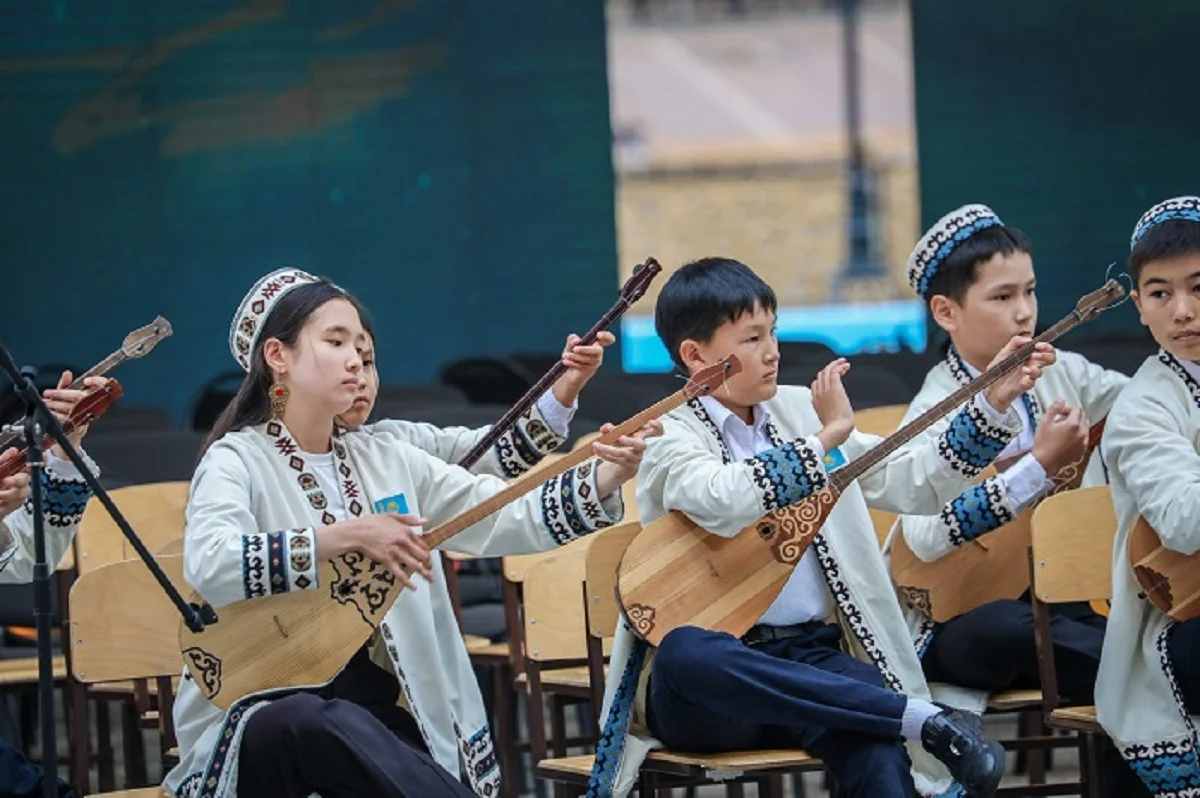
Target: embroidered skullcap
{"type": "Point", "coordinates": [257, 305]}
{"type": "Point", "coordinates": [1186, 207]}
{"type": "Point", "coordinates": [941, 239]}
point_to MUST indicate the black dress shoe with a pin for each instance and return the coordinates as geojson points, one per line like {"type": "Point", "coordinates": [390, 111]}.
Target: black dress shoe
{"type": "Point", "coordinates": [956, 739]}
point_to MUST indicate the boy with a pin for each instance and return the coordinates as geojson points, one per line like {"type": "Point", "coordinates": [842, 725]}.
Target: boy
{"type": "Point", "coordinates": [725, 461]}
{"type": "Point", "coordinates": [1148, 691]}
{"type": "Point", "coordinates": [976, 275]}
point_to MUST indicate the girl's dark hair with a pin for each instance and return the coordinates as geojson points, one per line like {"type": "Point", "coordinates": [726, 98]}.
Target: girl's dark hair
{"type": "Point", "coordinates": [251, 405]}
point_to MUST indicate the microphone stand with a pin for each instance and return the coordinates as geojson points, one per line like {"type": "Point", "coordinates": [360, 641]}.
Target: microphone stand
{"type": "Point", "coordinates": [39, 421]}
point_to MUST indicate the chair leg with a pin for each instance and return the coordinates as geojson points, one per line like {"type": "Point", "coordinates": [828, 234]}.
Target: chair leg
{"type": "Point", "coordinates": [510, 762]}
{"type": "Point", "coordinates": [104, 749]}
{"type": "Point", "coordinates": [134, 750]}
{"type": "Point", "coordinates": [1031, 724]}
{"type": "Point", "coordinates": [78, 738]}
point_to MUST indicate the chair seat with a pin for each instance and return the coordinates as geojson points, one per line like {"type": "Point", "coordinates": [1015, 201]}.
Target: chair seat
{"type": "Point", "coordinates": [579, 768]}
{"type": "Point", "coordinates": [475, 643]}
{"type": "Point", "coordinates": [575, 678]}
{"type": "Point", "coordinates": [737, 760]}
{"type": "Point", "coordinates": [25, 671]}
{"type": "Point", "coordinates": [1075, 717]}
{"type": "Point", "coordinates": [491, 651]}
{"type": "Point", "coordinates": [1009, 700]}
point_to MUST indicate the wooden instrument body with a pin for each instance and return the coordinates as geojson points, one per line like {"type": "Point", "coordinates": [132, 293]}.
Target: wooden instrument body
{"type": "Point", "coordinates": [675, 573]}
{"type": "Point", "coordinates": [1170, 579]}
{"type": "Point", "coordinates": [992, 567]}
{"type": "Point", "coordinates": [297, 639]}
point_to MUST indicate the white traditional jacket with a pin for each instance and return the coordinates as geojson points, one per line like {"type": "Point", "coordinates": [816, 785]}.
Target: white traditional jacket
{"type": "Point", "coordinates": [1150, 446]}
{"type": "Point", "coordinates": [987, 506]}
{"type": "Point", "coordinates": [252, 494]}
{"type": "Point", "coordinates": [64, 498]}
{"type": "Point", "coordinates": [689, 469]}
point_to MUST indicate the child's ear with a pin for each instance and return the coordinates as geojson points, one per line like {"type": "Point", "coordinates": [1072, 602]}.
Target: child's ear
{"type": "Point", "coordinates": [944, 311]}
{"type": "Point", "coordinates": [690, 354]}
{"type": "Point", "coordinates": [1137, 303]}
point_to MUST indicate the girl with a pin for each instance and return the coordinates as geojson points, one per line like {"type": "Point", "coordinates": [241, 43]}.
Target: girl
{"type": "Point", "coordinates": [280, 489]}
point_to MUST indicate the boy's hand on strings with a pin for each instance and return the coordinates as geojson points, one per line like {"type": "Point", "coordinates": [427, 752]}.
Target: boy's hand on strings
{"type": "Point", "coordinates": [1020, 380]}
{"type": "Point", "coordinates": [619, 461]}
{"type": "Point", "coordinates": [1061, 437]}
{"type": "Point", "coordinates": [582, 362]}
{"type": "Point", "coordinates": [833, 405]}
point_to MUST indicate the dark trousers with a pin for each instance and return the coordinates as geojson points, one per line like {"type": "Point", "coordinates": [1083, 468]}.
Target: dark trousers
{"type": "Point", "coordinates": [992, 648]}
{"type": "Point", "coordinates": [349, 740]}
{"type": "Point", "coordinates": [709, 692]}
{"type": "Point", "coordinates": [1183, 646]}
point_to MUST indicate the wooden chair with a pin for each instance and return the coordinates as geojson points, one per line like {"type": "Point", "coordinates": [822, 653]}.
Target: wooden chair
{"type": "Point", "coordinates": [123, 628]}
{"type": "Point", "coordinates": [155, 511]}
{"type": "Point", "coordinates": [663, 769]}
{"type": "Point", "coordinates": [1071, 560]}
{"type": "Point", "coordinates": [554, 646]}
{"type": "Point", "coordinates": [506, 663]}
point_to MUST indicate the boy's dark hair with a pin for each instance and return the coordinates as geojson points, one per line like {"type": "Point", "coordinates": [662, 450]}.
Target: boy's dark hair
{"type": "Point", "coordinates": [1173, 238]}
{"type": "Point", "coordinates": [703, 295]}
{"type": "Point", "coordinates": [961, 267]}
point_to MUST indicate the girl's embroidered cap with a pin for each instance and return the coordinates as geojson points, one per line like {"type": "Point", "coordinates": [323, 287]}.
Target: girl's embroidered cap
{"type": "Point", "coordinates": [941, 239]}
{"type": "Point", "coordinates": [257, 305]}
{"type": "Point", "coordinates": [1186, 207]}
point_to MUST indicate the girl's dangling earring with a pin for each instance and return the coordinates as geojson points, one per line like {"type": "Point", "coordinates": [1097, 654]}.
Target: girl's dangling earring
{"type": "Point", "coordinates": [278, 392]}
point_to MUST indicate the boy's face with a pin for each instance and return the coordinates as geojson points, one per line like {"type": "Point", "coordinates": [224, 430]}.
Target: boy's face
{"type": "Point", "coordinates": [1001, 303]}
{"type": "Point", "coordinates": [1168, 300]}
{"type": "Point", "coordinates": [752, 338]}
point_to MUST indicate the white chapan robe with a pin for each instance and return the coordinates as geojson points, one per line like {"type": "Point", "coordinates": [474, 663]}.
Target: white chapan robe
{"type": "Point", "coordinates": [688, 469]}
{"type": "Point", "coordinates": [252, 493]}
{"type": "Point", "coordinates": [1150, 446]}
{"type": "Point", "coordinates": [64, 498]}
{"type": "Point", "coordinates": [1073, 379]}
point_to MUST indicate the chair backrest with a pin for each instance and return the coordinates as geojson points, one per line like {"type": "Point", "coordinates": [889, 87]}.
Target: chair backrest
{"type": "Point", "coordinates": [154, 511]}
{"type": "Point", "coordinates": [600, 575]}
{"type": "Point", "coordinates": [882, 420]}
{"type": "Point", "coordinates": [1072, 546]}
{"type": "Point", "coordinates": [553, 601]}
{"type": "Point", "coordinates": [122, 624]}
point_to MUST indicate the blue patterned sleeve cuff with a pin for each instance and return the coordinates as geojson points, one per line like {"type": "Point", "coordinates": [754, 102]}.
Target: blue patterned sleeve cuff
{"type": "Point", "coordinates": [977, 511]}
{"type": "Point", "coordinates": [786, 474]}
{"type": "Point", "coordinates": [279, 562]}
{"type": "Point", "coordinates": [64, 495]}
{"type": "Point", "coordinates": [975, 437]}
{"type": "Point", "coordinates": [524, 446]}
{"type": "Point", "coordinates": [572, 506]}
